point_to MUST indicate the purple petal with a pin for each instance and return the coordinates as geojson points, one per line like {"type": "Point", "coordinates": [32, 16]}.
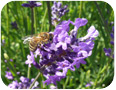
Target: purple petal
{"type": "Point", "coordinates": [24, 79]}
{"type": "Point", "coordinates": [112, 42]}
{"type": "Point", "coordinates": [107, 51]}
{"type": "Point", "coordinates": [83, 62]}
{"type": "Point", "coordinates": [112, 35]}
{"type": "Point", "coordinates": [88, 85]}
{"type": "Point", "coordinates": [80, 22]}
{"type": "Point", "coordinates": [59, 4]}
{"type": "Point", "coordinates": [38, 4]}
{"type": "Point", "coordinates": [83, 53]}
{"type": "Point", "coordinates": [92, 32]}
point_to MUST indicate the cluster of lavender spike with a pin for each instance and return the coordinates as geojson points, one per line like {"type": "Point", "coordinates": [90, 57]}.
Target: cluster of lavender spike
{"type": "Point", "coordinates": [109, 52]}
{"type": "Point", "coordinates": [23, 84]}
{"type": "Point", "coordinates": [58, 11]}
{"type": "Point", "coordinates": [64, 52]}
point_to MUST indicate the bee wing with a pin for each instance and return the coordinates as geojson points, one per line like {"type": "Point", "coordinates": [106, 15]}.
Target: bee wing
{"type": "Point", "coordinates": [26, 39]}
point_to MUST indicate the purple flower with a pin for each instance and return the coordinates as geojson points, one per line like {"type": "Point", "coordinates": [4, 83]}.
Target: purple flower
{"type": "Point", "coordinates": [107, 51]}
{"type": "Point", "coordinates": [23, 79]}
{"type": "Point", "coordinates": [11, 60]}
{"type": "Point", "coordinates": [5, 61]}
{"type": "Point", "coordinates": [92, 33]}
{"type": "Point", "coordinates": [32, 4]}
{"type": "Point", "coordinates": [53, 87]}
{"type": "Point", "coordinates": [65, 52]}
{"type": "Point", "coordinates": [63, 39]}
{"type": "Point", "coordinates": [24, 84]}
{"type": "Point", "coordinates": [52, 79]}
{"type": "Point", "coordinates": [112, 42]}
{"type": "Point", "coordinates": [62, 27]}
{"type": "Point", "coordinates": [14, 25]}
{"type": "Point", "coordinates": [14, 85]}
{"type": "Point", "coordinates": [88, 85]}
{"type": "Point", "coordinates": [18, 73]}
{"type": "Point", "coordinates": [30, 59]}
{"type": "Point", "coordinates": [111, 23]}
{"type": "Point", "coordinates": [112, 36]}
{"type": "Point", "coordinates": [58, 11]}
{"type": "Point", "coordinates": [3, 42]}
{"type": "Point", "coordinates": [110, 52]}
{"type": "Point", "coordinates": [7, 69]}
{"type": "Point", "coordinates": [9, 75]}
{"type": "Point", "coordinates": [78, 23]}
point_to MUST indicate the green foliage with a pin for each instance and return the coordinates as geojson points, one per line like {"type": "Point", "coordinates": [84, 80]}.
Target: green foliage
{"type": "Point", "coordinates": [99, 68]}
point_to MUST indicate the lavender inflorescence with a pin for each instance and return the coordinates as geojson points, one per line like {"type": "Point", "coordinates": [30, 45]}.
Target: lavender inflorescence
{"type": "Point", "coordinates": [14, 25]}
{"type": "Point", "coordinates": [23, 84]}
{"type": "Point", "coordinates": [32, 4]}
{"type": "Point", "coordinates": [3, 42]}
{"type": "Point", "coordinates": [89, 84]}
{"type": "Point", "coordinates": [8, 72]}
{"type": "Point", "coordinates": [9, 75]}
{"type": "Point", "coordinates": [64, 52]}
{"type": "Point", "coordinates": [58, 11]}
{"type": "Point", "coordinates": [109, 52]}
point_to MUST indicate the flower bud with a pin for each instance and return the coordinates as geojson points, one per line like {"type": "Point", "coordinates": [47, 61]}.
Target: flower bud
{"type": "Point", "coordinates": [6, 56]}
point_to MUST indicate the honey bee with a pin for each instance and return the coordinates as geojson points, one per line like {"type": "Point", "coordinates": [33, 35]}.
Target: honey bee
{"type": "Point", "coordinates": [39, 39]}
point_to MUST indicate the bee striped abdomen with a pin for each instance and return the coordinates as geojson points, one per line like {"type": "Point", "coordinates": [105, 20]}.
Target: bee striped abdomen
{"type": "Point", "coordinates": [32, 46]}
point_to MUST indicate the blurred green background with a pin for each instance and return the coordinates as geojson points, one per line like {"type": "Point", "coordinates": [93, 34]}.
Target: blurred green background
{"type": "Point", "coordinates": [99, 68]}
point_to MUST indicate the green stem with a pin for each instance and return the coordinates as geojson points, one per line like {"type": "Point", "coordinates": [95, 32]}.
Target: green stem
{"type": "Point", "coordinates": [34, 80]}
{"type": "Point", "coordinates": [35, 24]}
{"type": "Point", "coordinates": [44, 19]}
{"type": "Point", "coordinates": [28, 73]}
{"type": "Point", "coordinates": [32, 21]}
{"type": "Point", "coordinates": [8, 33]}
{"type": "Point", "coordinates": [81, 4]}
{"type": "Point", "coordinates": [101, 16]}
{"type": "Point", "coordinates": [49, 15]}
{"type": "Point", "coordinates": [67, 79]}
{"type": "Point", "coordinates": [105, 69]}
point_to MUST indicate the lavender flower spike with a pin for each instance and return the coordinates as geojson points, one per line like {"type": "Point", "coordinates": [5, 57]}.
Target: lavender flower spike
{"type": "Point", "coordinates": [3, 42]}
{"type": "Point", "coordinates": [9, 75]}
{"type": "Point", "coordinates": [107, 51]}
{"type": "Point", "coordinates": [24, 84]}
{"type": "Point", "coordinates": [112, 36]}
{"type": "Point", "coordinates": [64, 52]}
{"type": "Point", "coordinates": [88, 85]}
{"type": "Point", "coordinates": [14, 25]}
{"type": "Point", "coordinates": [110, 52]}
{"type": "Point", "coordinates": [32, 4]}
{"type": "Point", "coordinates": [58, 11]}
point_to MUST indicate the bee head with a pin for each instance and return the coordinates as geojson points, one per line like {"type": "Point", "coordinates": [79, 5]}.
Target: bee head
{"type": "Point", "coordinates": [51, 37]}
